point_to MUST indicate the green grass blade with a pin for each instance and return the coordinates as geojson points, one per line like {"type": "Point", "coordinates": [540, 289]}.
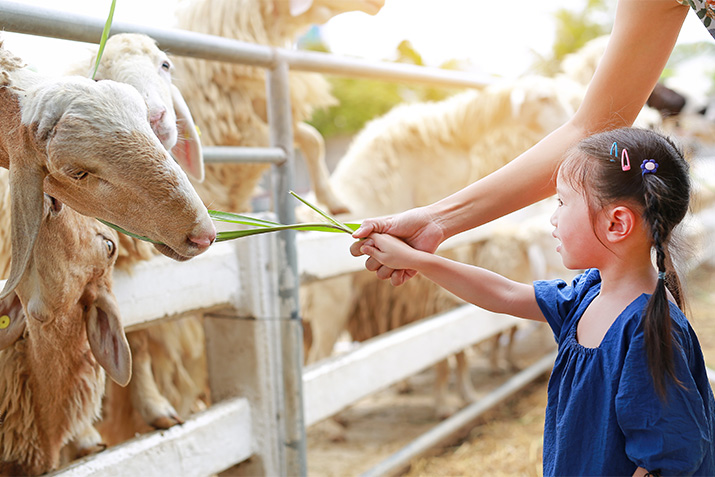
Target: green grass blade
{"type": "Point", "coordinates": [234, 234]}
{"type": "Point", "coordinates": [105, 35]}
{"type": "Point", "coordinates": [126, 232]}
{"type": "Point", "coordinates": [325, 215]}
{"type": "Point", "coordinates": [240, 219]}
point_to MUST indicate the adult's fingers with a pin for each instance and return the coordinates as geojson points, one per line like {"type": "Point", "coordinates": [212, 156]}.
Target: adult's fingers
{"type": "Point", "coordinates": [368, 226]}
{"type": "Point", "coordinates": [355, 248]}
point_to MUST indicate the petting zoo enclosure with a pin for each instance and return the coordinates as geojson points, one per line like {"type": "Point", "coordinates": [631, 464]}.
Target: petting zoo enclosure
{"type": "Point", "coordinates": [248, 292]}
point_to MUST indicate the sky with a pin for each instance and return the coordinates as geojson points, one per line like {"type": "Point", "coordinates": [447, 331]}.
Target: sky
{"type": "Point", "coordinates": [493, 39]}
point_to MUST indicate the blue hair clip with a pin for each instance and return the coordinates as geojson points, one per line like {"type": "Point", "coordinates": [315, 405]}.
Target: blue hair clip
{"type": "Point", "coordinates": [649, 166]}
{"type": "Point", "coordinates": [661, 275]}
{"type": "Point", "coordinates": [614, 147]}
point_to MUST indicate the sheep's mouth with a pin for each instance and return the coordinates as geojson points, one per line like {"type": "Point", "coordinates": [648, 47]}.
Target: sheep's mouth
{"type": "Point", "coordinates": [171, 253]}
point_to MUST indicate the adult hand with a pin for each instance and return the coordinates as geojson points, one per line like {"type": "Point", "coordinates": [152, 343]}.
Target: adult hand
{"type": "Point", "coordinates": [417, 227]}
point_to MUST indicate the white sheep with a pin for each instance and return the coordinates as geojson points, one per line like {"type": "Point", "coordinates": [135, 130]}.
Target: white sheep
{"type": "Point", "coordinates": [415, 155]}
{"type": "Point", "coordinates": [134, 59]}
{"type": "Point", "coordinates": [91, 146]}
{"type": "Point", "coordinates": [228, 100]}
{"type": "Point", "coordinates": [61, 327]}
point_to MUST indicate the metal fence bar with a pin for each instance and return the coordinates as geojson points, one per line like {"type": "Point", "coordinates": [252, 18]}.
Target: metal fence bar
{"type": "Point", "coordinates": [20, 18]}
{"type": "Point", "coordinates": [217, 154]}
{"type": "Point", "coordinates": [281, 136]}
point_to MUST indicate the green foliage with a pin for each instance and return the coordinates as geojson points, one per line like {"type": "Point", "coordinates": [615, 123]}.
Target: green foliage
{"type": "Point", "coordinates": [574, 28]}
{"type": "Point", "coordinates": [361, 100]}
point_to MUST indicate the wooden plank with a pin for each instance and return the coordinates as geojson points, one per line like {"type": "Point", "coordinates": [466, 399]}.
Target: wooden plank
{"type": "Point", "coordinates": [205, 444]}
{"type": "Point", "coordinates": [332, 385]}
{"type": "Point", "coordinates": [163, 287]}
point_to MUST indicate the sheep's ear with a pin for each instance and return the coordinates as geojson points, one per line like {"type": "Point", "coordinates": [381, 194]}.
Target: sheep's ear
{"type": "Point", "coordinates": [12, 321]}
{"type": "Point", "coordinates": [299, 7]}
{"type": "Point", "coordinates": [26, 206]}
{"type": "Point", "coordinates": [518, 98]}
{"type": "Point", "coordinates": [187, 150]}
{"type": "Point", "coordinates": [107, 339]}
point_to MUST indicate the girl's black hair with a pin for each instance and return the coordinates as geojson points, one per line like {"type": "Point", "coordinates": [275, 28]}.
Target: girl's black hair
{"type": "Point", "coordinates": [663, 197]}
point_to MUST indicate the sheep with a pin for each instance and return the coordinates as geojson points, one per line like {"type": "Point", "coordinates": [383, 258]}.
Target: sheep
{"type": "Point", "coordinates": [135, 58]}
{"type": "Point", "coordinates": [64, 327]}
{"type": "Point", "coordinates": [240, 121]}
{"type": "Point", "coordinates": [230, 99]}
{"type": "Point", "coordinates": [67, 134]}
{"type": "Point", "coordinates": [415, 155]}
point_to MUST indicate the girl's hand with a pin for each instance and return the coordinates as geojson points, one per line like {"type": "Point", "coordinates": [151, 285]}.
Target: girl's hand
{"type": "Point", "coordinates": [416, 227]}
{"type": "Point", "coordinates": [390, 251]}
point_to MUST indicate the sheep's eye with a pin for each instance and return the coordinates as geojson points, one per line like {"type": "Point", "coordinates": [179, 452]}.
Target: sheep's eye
{"type": "Point", "coordinates": [78, 174]}
{"type": "Point", "coordinates": [166, 66]}
{"type": "Point", "coordinates": [111, 247]}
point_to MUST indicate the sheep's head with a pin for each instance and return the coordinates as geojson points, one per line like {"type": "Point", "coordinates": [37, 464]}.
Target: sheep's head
{"type": "Point", "coordinates": [544, 103]}
{"type": "Point", "coordinates": [134, 59]}
{"type": "Point", "coordinates": [308, 12]}
{"type": "Point", "coordinates": [90, 145]}
{"type": "Point", "coordinates": [68, 285]}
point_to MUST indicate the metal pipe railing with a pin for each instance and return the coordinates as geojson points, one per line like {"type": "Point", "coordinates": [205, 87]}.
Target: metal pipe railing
{"type": "Point", "coordinates": [291, 332]}
{"type": "Point", "coordinates": [268, 155]}
{"type": "Point", "coordinates": [20, 18]}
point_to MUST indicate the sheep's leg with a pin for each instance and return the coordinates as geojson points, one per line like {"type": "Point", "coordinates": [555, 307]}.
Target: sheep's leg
{"type": "Point", "coordinates": [509, 352]}
{"type": "Point", "coordinates": [464, 380]}
{"type": "Point", "coordinates": [441, 378]}
{"type": "Point", "coordinates": [154, 408]}
{"type": "Point", "coordinates": [494, 354]}
{"type": "Point", "coordinates": [312, 144]}
{"type": "Point", "coordinates": [88, 442]}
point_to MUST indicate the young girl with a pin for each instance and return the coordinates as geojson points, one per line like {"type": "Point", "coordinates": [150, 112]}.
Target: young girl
{"type": "Point", "coordinates": [629, 393]}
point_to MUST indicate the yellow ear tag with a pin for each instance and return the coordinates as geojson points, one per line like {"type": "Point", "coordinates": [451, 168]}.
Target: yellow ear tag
{"type": "Point", "coordinates": [4, 322]}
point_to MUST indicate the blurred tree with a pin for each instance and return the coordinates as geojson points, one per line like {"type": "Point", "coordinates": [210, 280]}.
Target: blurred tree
{"type": "Point", "coordinates": [361, 100]}
{"type": "Point", "coordinates": [574, 28]}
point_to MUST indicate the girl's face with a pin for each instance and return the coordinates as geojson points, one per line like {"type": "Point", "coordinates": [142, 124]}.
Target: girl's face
{"type": "Point", "coordinates": [573, 228]}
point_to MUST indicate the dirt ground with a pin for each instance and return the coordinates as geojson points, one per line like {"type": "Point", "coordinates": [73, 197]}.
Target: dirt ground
{"type": "Point", "coordinates": [505, 441]}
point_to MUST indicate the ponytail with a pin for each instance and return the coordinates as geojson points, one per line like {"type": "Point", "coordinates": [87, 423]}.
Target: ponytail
{"type": "Point", "coordinates": [657, 324]}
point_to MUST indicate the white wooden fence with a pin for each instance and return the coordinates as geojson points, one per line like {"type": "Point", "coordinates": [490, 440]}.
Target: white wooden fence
{"type": "Point", "coordinates": [246, 291]}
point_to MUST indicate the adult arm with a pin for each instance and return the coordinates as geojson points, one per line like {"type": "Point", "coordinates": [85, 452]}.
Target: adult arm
{"type": "Point", "coordinates": [644, 34]}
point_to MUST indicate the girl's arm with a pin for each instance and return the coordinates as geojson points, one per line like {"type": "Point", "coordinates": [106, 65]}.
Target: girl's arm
{"type": "Point", "coordinates": [481, 287]}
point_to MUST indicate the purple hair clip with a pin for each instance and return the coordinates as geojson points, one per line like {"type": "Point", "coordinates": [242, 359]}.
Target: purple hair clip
{"type": "Point", "coordinates": [649, 166]}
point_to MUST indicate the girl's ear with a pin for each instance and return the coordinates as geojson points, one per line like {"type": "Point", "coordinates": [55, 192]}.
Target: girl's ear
{"type": "Point", "coordinates": [621, 222]}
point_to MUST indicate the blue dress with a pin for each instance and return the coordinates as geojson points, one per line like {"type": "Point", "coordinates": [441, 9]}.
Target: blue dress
{"type": "Point", "coordinates": [603, 415]}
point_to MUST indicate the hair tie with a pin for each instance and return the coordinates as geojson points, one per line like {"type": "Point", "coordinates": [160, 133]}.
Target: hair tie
{"type": "Point", "coordinates": [649, 166]}
{"type": "Point", "coordinates": [661, 275]}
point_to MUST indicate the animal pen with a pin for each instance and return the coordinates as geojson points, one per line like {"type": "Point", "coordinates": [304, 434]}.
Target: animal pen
{"type": "Point", "coordinates": [248, 293]}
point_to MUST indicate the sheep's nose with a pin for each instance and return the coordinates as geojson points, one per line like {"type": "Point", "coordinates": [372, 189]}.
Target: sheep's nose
{"type": "Point", "coordinates": [203, 239]}
{"type": "Point", "coordinates": [156, 117]}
